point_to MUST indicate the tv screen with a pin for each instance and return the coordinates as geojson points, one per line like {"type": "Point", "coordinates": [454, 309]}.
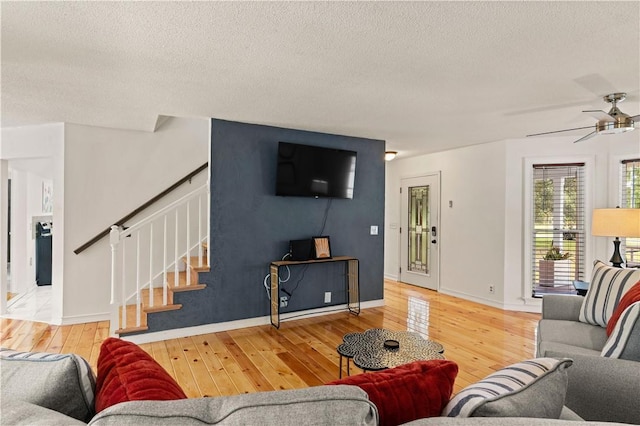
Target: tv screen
{"type": "Point", "coordinates": [313, 171]}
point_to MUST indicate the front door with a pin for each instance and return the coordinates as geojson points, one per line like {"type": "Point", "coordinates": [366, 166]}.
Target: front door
{"type": "Point", "coordinates": [419, 231]}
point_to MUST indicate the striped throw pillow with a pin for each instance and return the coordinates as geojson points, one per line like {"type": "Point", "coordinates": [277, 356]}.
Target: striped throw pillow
{"type": "Point", "coordinates": [624, 341]}
{"type": "Point", "coordinates": [533, 388]}
{"type": "Point", "coordinates": [608, 285]}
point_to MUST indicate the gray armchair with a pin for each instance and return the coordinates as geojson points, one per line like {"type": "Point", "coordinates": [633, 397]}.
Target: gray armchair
{"type": "Point", "coordinates": [600, 388]}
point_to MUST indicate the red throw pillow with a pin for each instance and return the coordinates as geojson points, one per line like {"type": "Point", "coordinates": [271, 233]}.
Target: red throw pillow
{"type": "Point", "coordinates": [630, 297]}
{"type": "Point", "coordinates": [127, 373]}
{"type": "Point", "coordinates": [408, 392]}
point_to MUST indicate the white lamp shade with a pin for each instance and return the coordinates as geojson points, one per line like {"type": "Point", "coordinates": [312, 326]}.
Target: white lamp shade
{"type": "Point", "coordinates": [616, 222]}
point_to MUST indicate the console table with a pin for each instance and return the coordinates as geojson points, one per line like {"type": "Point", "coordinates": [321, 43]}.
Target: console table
{"type": "Point", "coordinates": [352, 283]}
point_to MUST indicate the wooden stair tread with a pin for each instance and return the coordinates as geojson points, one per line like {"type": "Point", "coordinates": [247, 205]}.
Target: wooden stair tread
{"type": "Point", "coordinates": [191, 287]}
{"type": "Point", "coordinates": [131, 330]}
{"type": "Point", "coordinates": [163, 308]}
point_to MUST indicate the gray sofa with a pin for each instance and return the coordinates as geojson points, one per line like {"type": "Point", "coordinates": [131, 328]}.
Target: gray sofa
{"type": "Point", "coordinates": [600, 388]}
{"type": "Point", "coordinates": [321, 405]}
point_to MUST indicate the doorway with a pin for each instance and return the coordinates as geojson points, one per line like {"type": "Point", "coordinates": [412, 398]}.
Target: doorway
{"type": "Point", "coordinates": [419, 231]}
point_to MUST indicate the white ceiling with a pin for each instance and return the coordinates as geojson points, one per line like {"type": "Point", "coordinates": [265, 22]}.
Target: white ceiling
{"type": "Point", "coordinates": [424, 76]}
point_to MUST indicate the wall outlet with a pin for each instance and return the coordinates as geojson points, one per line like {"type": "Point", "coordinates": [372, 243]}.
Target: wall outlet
{"type": "Point", "coordinates": [327, 297]}
{"type": "Point", "coordinates": [284, 301]}
{"type": "Point", "coordinates": [492, 289]}
{"type": "Point", "coordinates": [373, 230]}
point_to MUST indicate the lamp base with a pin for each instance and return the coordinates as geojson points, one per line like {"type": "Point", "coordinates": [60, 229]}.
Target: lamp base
{"type": "Point", "coordinates": [616, 260]}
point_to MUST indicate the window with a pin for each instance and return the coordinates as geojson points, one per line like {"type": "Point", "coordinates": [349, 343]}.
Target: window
{"type": "Point", "coordinates": [630, 199]}
{"type": "Point", "coordinates": [557, 252]}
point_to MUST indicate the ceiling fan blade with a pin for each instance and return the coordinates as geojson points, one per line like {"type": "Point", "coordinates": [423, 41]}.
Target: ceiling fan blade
{"type": "Point", "coordinates": [596, 84]}
{"type": "Point", "coordinates": [589, 136]}
{"type": "Point", "coordinates": [600, 115]}
{"type": "Point", "coordinates": [560, 131]}
{"type": "Point", "coordinates": [635, 117]}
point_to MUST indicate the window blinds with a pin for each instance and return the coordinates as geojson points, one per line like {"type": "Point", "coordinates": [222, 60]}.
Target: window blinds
{"type": "Point", "coordinates": [558, 224]}
{"type": "Point", "coordinates": [630, 199]}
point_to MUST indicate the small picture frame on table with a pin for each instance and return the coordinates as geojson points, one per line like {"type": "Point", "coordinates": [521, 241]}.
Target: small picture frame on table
{"type": "Point", "coordinates": [321, 248]}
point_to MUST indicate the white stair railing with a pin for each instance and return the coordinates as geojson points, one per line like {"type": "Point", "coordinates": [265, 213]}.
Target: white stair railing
{"type": "Point", "coordinates": [140, 248]}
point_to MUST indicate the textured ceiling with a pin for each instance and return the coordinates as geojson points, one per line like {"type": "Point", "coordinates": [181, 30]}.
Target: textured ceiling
{"type": "Point", "coordinates": [425, 76]}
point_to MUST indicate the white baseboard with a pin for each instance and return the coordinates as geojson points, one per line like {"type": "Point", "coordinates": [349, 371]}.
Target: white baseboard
{"type": "Point", "coordinates": [234, 325]}
{"type": "Point", "coordinates": [531, 306]}
{"type": "Point", "coordinates": [391, 277]}
{"type": "Point", "coordinates": [79, 319]}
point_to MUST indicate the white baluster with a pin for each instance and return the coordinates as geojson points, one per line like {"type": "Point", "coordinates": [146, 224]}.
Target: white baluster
{"type": "Point", "coordinates": [175, 262]}
{"type": "Point", "coordinates": [123, 295]}
{"type": "Point", "coordinates": [151, 264]}
{"type": "Point", "coordinates": [188, 270]}
{"type": "Point", "coordinates": [137, 279]}
{"type": "Point", "coordinates": [208, 218]}
{"type": "Point", "coordinates": [200, 231]}
{"type": "Point", "coordinates": [114, 240]}
{"type": "Point", "coordinates": [164, 263]}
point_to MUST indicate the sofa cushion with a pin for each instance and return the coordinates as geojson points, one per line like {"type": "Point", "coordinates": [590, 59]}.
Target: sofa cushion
{"type": "Point", "coordinates": [408, 392]}
{"type": "Point", "coordinates": [128, 373]}
{"type": "Point", "coordinates": [16, 412]}
{"type": "Point", "coordinates": [60, 382]}
{"type": "Point", "coordinates": [319, 405]}
{"type": "Point", "coordinates": [631, 296]}
{"type": "Point", "coordinates": [608, 285]}
{"type": "Point", "coordinates": [624, 342]}
{"type": "Point", "coordinates": [572, 333]}
{"type": "Point", "coordinates": [533, 388]}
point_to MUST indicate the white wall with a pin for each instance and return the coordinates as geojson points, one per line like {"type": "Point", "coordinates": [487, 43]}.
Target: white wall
{"type": "Point", "coordinates": [472, 231]}
{"type": "Point", "coordinates": [108, 173]}
{"type": "Point", "coordinates": [482, 236]}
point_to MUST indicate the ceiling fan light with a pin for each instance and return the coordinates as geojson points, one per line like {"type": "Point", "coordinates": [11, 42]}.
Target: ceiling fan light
{"type": "Point", "coordinates": [390, 155]}
{"type": "Point", "coordinates": [615, 127]}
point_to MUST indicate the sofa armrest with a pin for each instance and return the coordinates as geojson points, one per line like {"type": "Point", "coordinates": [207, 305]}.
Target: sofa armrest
{"type": "Point", "coordinates": [560, 307]}
{"type": "Point", "coordinates": [603, 389]}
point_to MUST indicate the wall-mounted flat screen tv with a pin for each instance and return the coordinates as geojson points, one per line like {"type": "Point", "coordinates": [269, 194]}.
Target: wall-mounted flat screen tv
{"type": "Point", "coordinates": [313, 171]}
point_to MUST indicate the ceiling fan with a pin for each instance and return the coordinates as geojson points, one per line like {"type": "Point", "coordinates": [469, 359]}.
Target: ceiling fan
{"type": "Point", "coordinates": [614, 121]}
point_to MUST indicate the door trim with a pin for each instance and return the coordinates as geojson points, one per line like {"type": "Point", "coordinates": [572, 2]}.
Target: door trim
{"type": "Point", "coordinates": [438, 176]}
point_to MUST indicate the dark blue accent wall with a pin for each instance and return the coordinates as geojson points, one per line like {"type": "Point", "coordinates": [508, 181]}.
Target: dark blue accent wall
{"type": "Point", "coordinates": [251, 226]}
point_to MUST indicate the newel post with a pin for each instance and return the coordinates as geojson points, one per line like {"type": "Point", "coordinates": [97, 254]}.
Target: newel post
{"type": "Point", "coordinates": [114, 240]}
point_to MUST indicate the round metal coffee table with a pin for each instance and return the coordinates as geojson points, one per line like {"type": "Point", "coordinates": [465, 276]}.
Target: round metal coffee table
{"type": "Point", "coordinates": [378, 349]}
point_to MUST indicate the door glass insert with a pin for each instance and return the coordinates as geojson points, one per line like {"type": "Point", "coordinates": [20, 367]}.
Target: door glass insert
{"type": "Point", "coordinates": [419, 229]}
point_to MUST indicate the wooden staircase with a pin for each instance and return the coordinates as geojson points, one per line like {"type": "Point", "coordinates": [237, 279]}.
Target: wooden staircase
{"type": "Point", "coordinates": [192, 268]}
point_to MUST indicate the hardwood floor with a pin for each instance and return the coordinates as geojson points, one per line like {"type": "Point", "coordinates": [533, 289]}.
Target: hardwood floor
{"type": "Point", "coordinates": [302, 353]}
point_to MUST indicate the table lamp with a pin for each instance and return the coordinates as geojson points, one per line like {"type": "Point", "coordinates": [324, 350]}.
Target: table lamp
{"type": "Point", "coordinates": [616, 223]}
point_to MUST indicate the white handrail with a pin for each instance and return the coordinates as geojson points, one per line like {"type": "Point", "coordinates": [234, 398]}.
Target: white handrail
{"type": "Point", "coordinates": [163, 210]}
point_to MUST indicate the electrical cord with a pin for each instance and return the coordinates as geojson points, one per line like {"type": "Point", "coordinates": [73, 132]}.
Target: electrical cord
{"type": "Point", "coordinates": [304, 270]}
{"type": "Point", "coordinates": [326, 214]}
{"type": "Point", "coordinates": [266, 277]}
